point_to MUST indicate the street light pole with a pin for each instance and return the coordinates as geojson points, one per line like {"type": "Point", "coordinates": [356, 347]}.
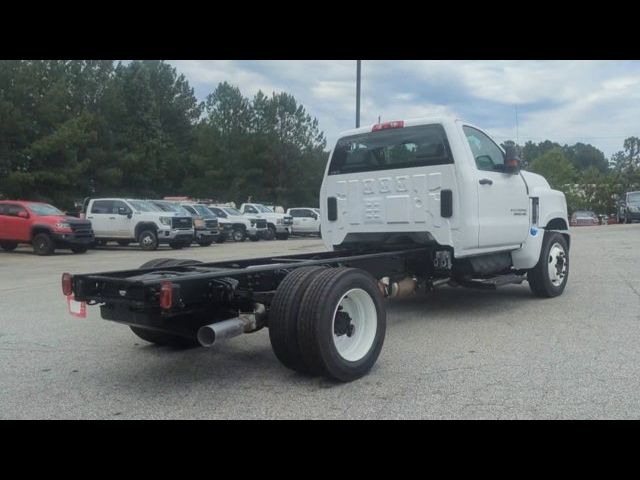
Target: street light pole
{"type": "Point", "coordinates": [358, 94]}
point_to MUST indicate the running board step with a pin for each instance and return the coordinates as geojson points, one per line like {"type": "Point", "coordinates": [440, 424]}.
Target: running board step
{"type": "Point", "coordinates": [493, 282]}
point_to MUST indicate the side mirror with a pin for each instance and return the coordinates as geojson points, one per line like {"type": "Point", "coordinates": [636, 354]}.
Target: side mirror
{"type": "Point", "coordinates": [511, 160]}
{"type": "Point", "coordinates": [315, 217]}
{"type": "Point", "coordinates": [23, 214]}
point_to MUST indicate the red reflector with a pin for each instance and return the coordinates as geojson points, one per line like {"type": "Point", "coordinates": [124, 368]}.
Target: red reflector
{"type": "Point", "coordinates": [166, 295]}
{"type": "Point", "coordinates": [67, 287]}
{"type": "Point", "coordinates": [387, 125]}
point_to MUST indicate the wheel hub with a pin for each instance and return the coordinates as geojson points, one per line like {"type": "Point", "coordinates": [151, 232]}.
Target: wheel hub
{"type": "Point", "coordinates": [343, 325]}
{"type": "Point", "coordinates": [557, 264]}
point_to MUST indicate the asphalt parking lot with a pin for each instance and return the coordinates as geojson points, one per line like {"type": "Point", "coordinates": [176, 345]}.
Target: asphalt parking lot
{"type": "Point", "coordinates": [452, 353]}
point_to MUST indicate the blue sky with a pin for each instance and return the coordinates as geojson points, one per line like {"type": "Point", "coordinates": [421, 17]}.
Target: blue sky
{"type": "Point", "coordinates": [595, 102]}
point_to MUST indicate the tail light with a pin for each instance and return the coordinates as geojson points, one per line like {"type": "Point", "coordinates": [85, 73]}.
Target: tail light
{"type": "Point", "coordinates": [67, 284]}
{"type": "Point", "coordinates": [166, 295]}
{"type": "Point", "coordinates": [388, 125]}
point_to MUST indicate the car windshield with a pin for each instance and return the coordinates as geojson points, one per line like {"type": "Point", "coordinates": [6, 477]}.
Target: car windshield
{"type": "Point", "coordinates": [204, 211]}
{"type": "Point", "coordinates": [634, 198]}
{"type": "Point", "coordinates": [232, 211]}
{"type": "Point", "coordinates": [262, 208]}
{"type": "Point", "coordinates": [44, 209]}
{"type": "Point", "coordinates": [585, 214]}
{"type": "Point", "coordinates": [144, 206]}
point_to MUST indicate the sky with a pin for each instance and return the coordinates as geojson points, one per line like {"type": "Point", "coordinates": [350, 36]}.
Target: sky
{"type": "Point", "coordinates": [596, 102]}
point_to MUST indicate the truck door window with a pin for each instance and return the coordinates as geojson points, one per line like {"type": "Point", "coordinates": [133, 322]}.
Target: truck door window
{"type": "Point", "coordinates": [102, 206]}
{"type": "Point", "coordinates": [406, 147]}
{"type": "Point", "coordinates": [117, 205]}
{"type": "Point", "coordinates": [14, 210]}
{"type": "Point", "coordinates": [249, 209]}
{"type": "Point", "coordinates": [486, 153]}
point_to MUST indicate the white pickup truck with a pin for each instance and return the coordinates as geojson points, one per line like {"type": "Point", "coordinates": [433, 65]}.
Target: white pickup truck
{"type": "Point", "coordinates": [407, 206]}
{"type": "Point", "coordinates": [446, 183]}
{"type": "Point", "coordinates": [127, 220]}
{"type": "Point", "coordinates": [278, 224]}
{"type": "Point", "coordinates": [239, 226]}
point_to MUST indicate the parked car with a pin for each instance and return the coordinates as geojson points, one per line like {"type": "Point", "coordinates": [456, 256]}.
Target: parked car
{"type": "Point", "coordinates": [238, 225]}
{"type": "Point", "coordinates": [205, 223]}
{"type": "Point", "coordinates": [583, 218]}
{"type": "Point", "coordinates": [43, 226]}
{"type": "Point", "coordinates": [126, 221]}
{"type": "Point", "coordinates": [305, 221]}
{"type": "Point", "coordinates": [629, 208]}
{"type": "Point", "coordinates": [279, 224]}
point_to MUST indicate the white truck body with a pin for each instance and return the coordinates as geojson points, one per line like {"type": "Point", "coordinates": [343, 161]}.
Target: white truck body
{"type": "Point", "coordinates": [227, 215]}
{"type": "Point", "coordinates": [491, 210]}
{"type": "Point", "coordinates": [124, 219]}
{"type": "Point", "coordinates": [305, 220]}
{"type": "Point", "coordinates": [280, 223]}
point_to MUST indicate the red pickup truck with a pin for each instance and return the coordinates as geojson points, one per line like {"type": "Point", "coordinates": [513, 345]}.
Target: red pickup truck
{"type": "Point", "coordinates": [43, 226]}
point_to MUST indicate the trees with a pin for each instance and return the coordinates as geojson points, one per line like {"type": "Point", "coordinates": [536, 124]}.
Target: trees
{"type": "Point", "coordinates": [70, 129]}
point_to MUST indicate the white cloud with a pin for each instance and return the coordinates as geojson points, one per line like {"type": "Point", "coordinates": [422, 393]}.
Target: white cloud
{"type": "Point", "coordinates": [565, 101]}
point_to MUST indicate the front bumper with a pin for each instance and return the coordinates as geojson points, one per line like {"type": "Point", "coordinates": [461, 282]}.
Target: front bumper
{"type": "Point", "coordinates": [175, 235]}
{"type": "Point", "coordinates": [68, 239]}
{"type": "Point", "coordinates": [204, 235]}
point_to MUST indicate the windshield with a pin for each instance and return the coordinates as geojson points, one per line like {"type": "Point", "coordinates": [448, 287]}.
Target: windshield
{"type": "Point", "coordinates": [634, 197]}
{"type": "Point", "coordinates": [394, 148]}
{"type": "Point", "coordinates": [232, 211]}
{"type": "Point", "coordinates": [44, 209]}
{"type": "Point", "coordinates": [262, 208]}
{"type": "Point", "coordinates": [585, 214]}
{"type": "Point", "coordinates": [203, 211]}
{"type": "Point", "coordinates": [144, 206]}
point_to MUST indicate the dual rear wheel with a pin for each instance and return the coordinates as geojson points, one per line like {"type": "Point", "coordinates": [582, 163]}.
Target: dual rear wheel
{"type": "Point", "coordinates": [328, 321]}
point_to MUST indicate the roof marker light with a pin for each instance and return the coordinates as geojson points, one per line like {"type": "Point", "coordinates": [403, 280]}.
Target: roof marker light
{"type": "Point", "coordinates": [388, 125]}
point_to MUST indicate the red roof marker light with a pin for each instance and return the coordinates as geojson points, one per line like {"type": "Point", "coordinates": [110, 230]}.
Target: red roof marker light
{"type": "Point", "coordinates": [388, 125]}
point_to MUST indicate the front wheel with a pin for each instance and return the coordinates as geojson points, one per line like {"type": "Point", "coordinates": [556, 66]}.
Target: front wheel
{"type": "Point", "coordinates": [254, 238]}
{"type": "Point", "coordinates": [270, 233]}
{"type": "Point", "coordinates": [79, 249]}
{"type": "Point", "coordinates": [283, 236]}
{"type": "Point", "coordinates": [43, 244]}
{"type": "Point", "coordinates": [148, 240]}
{"type": "Point", "coordinates": [239, 235]}
{"type": "Point", "coordinates": [549, 277]}
{"type": "Point", "coordinates": [342, 323]}
{"type": "Point", "coordinates": [221, 238]}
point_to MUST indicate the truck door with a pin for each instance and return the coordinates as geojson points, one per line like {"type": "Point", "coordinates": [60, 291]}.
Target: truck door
{"type": "Point", "coordinates": [102, 218]}
{"type": "Point", "coordinates": [122, 224]}
{"type": "Point", "coordinates": [503, 202]}
{"type": "Point", "coordinates": [16, 227]}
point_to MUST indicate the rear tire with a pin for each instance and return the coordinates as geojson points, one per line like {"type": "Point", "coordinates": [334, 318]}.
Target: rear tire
{"type": "Point", "coordinates": [270, 233]}
{"type": "Point", "coordinates": [282, 236]}
{"type": "Point", "coordinates": [284, 314]}
{"type": "Point", "coordinates": [9, 246]}
{"type": "Point", "coordinates": [148, 240]}
{"type": "Point", "coordinates": [177, 245]}
{"type": "Point", "coordinates": [347, 350]}
{"type": "Point", "coordinates": [205, 243]}
{"type": "Point", "coordinates": [164, 339]}
{"type": "Point", "coordinates": [549, 277]}
{"type": "Point", "coordinates": [79, 249]}
{"type": "Point", "coordinates": [221, 238]}
{"type": "Point", "coordinates": [254, 238]}
{"type": "Point", "coordinates": [43, 244]}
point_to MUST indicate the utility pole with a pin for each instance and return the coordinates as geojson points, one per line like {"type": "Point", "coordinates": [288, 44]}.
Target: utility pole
{"type": "Point", "coordinates": [517, 143]}
{"type": "Point", "coordinates": [358, 94]}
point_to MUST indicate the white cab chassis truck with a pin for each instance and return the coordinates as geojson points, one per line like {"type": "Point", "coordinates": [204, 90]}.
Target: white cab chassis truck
{"type": "Point", "coordinates": [408, 206]}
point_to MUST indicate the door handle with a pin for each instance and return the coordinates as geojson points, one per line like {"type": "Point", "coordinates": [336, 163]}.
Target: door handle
{"type": "Point", "coordinates": [486, 181]}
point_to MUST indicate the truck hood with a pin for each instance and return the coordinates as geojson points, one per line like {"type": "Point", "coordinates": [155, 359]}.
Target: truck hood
{"type": "Point", "coordinates": [534, 180]}
{"type": "Point", "coordinates": [53, 219]}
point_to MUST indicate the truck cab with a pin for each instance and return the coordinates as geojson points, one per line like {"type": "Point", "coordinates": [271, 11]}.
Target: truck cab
{"type": "Point", "coordinates": [278, 224]}
{"type": "Point", "coordinates": [126, 220]}
{"type": "Point", "coordinates": [443, 182]}
{"type": "Point", "coordinates": [306, 221]}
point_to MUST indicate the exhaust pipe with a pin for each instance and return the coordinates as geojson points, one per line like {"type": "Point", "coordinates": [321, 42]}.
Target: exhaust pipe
{"type": "Point", "coordinates": [244, 323]}
{"type": "Point", "coordinates": [210, 334]}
